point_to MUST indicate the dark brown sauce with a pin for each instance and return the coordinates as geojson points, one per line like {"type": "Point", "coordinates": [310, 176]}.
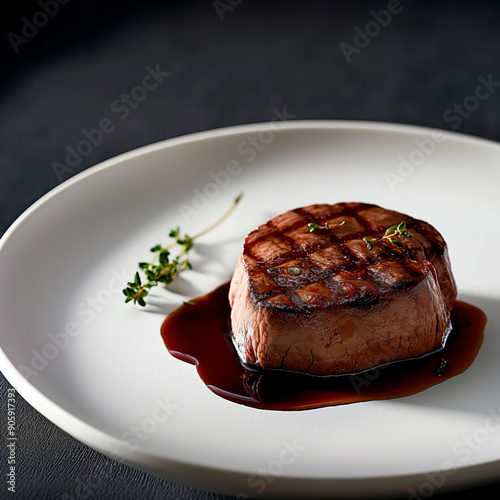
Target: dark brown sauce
{"type": "Point", "coordinates": [199, 334]}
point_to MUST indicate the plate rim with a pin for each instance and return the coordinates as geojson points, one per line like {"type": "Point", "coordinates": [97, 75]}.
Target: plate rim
{"type": "Point", "coordinates": [326, 124]}
{"type": "Point", "coordinates": [181, 470]}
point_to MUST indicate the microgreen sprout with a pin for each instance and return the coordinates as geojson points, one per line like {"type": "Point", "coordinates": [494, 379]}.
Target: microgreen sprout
{"type": "Point", "coordinates": [390, 233]}
{"type": "Point", "coordinates": [313, 227]}
{"type": "Point", "coordinates": [291, 270]}
{"type": "Point", "coordinates": [273, 269]}
{"type": "Point", "coordinates": [165, 266]}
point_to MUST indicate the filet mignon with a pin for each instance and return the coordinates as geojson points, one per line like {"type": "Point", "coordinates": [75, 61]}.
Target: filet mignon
{"type": "Point", "coordinates": [319, 300]}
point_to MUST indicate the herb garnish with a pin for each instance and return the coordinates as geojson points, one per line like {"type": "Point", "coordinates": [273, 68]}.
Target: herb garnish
{"type": "Point", "coordinates": [314, 227]}
{"type": "Point", "coordinates": [291, 270]}
{"type": "Point", "coordinates": [163, 270]}
{"type": "Point", "coordinates": [390, 232]}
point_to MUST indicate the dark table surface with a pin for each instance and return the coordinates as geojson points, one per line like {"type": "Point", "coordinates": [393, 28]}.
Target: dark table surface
{"type": "Point", "coordinates": [229, 62]}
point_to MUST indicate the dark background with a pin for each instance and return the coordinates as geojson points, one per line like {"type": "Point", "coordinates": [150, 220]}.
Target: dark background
{"type": "Point", "coordinates": [262, 55]}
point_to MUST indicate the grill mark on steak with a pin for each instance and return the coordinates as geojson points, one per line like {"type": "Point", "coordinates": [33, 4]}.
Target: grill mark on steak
{"type": "Point", "coordinates": [297, 251]}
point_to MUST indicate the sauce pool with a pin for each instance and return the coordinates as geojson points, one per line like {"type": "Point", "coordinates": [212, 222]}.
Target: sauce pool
{"type": "Point", "coordinates": [199, 333]}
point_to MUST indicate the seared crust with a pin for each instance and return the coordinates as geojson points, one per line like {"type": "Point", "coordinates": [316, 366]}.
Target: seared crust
{"type": "Point", "coordinates": [322, 302]}
{"type": "Point", "coordinates": [336, 261]}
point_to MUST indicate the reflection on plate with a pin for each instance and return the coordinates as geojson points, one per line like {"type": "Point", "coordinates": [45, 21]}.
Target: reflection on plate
{"type": "Point", "coordinates": [99, 370]}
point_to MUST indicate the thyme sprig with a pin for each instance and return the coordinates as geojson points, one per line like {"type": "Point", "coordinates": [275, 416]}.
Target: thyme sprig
{"type": "Point", "coordinates": [165, 267]}
{"type": "Point", "coordinates": [315, 227]}
{"type": "Point", "coordinates": [390, 233]}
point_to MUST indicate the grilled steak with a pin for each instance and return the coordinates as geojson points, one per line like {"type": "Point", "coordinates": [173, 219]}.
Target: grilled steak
{"type": "Point", "coordinates": [323, 303]}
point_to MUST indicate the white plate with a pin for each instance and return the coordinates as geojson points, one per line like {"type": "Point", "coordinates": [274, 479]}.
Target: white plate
{"type": "Point", "coordinates": [64, 261]}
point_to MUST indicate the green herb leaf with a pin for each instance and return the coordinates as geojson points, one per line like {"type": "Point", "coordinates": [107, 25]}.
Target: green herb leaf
{"type": "Point", "coordinates": [367, 242]}
{"type": "Point", "coordinates": [396, 242]}
{"type": "Point", "coordinates": [163, 257]}
{"type": "Point", "coordinates": [273, 269]}
{"type": "Point", "coordinates": [294, 270]}
{"type": "Point", "coordinates": [313, 226]}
